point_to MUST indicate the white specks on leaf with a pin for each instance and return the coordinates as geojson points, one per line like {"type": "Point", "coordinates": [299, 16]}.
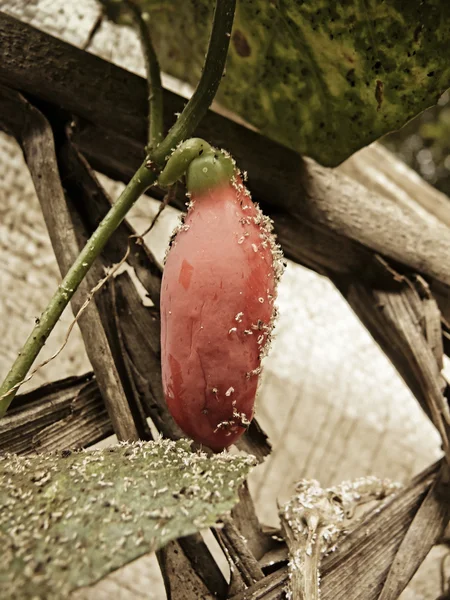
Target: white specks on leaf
{"type": "Point", "coordinates": [92, 501]}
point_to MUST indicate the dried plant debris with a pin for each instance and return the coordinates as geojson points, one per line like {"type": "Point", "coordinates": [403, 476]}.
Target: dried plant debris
{"type": "Point", "coordinates": [67, 519]}
{"type": "Point", "coordinates": [312, 522]}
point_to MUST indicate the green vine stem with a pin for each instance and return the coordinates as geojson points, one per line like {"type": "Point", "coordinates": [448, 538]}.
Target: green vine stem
{"type": "Point", "coordinates": [155, 91]}
{"type": "Point", "coordinates": [206, 90]}
{"type": "Point", "coordinates": [145, 177]}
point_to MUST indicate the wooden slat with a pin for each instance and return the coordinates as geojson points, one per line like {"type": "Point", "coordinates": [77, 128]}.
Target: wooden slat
{"type": "Point", "coordinates": [67, 414]}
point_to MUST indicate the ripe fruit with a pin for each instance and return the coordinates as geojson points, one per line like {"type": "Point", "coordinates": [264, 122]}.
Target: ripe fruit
{"type": "Point", "coordinates": [217, 305]}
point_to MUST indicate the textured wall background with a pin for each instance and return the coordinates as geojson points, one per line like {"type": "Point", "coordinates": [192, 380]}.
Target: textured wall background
{"type": "Point", "coordinates": [332, 404]}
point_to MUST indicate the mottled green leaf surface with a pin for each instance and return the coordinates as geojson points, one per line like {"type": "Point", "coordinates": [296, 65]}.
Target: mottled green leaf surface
{"type": "Point", "coordinates": [68, 519]}
{"type": "Point", "coordinates": [322, 77]}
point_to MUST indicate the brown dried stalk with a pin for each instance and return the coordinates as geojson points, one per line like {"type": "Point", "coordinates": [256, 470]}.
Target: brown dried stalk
{"type": "Point", "coordinates": [404, 319]}
{"type": "Point", "coordinates": [35, 136]}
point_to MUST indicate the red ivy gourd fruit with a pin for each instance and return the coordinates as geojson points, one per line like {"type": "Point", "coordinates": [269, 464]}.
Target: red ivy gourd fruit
{"type": "Point", "coordinates": [217, 298]}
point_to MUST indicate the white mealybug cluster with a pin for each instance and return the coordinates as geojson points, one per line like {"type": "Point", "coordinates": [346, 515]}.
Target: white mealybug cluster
{"type": "Point", "coordinates": [268, 240]}
{"type": "Point", "coordinates": [313, 520]}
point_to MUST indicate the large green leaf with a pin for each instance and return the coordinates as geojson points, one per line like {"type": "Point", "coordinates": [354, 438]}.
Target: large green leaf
{"type": "Point", "coordinates": [68, 519]}
{"type": "Point", "coordinates": [322, 77]}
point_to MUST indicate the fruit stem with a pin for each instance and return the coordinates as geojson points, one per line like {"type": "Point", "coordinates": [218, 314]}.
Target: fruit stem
{"type": "Point", "coordinates": [181, 158]}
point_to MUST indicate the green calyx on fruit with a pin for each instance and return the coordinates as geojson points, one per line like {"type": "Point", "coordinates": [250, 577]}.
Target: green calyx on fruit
{"type": "Point", "coordinates": [208, 172]}
{"type": "Point", "coordinates": [205, 167]}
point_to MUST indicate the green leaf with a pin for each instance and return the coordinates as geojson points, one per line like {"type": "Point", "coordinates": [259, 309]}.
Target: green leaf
{"type": "Point", "coordinates": [68, 519]}
{"type": "Point", "coordinates": [322, 77]}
